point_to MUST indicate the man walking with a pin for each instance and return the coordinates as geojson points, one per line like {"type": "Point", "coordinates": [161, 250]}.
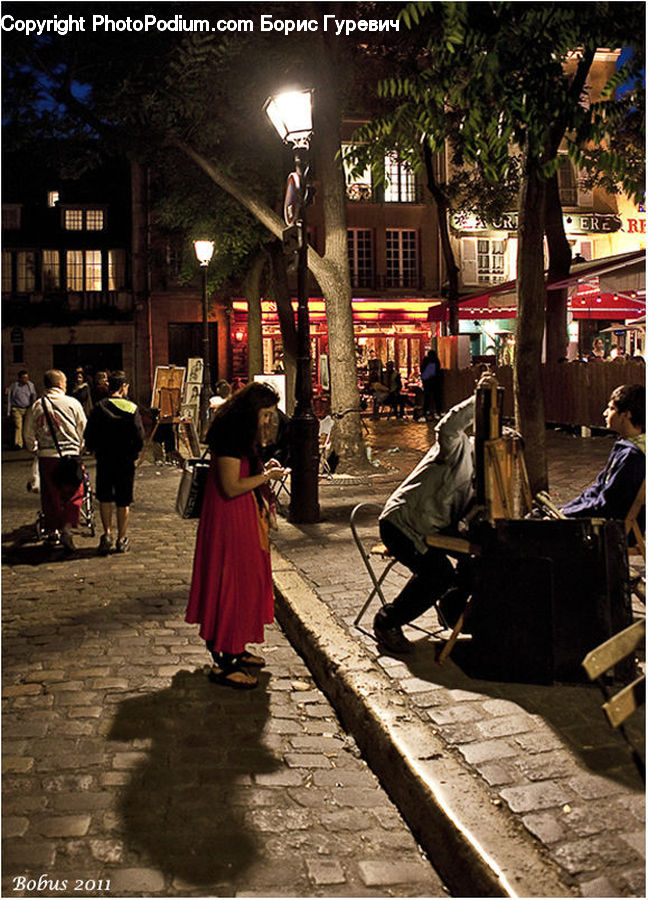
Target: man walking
{"type": "Point", "coordinates": [115, 435]}
{"type": "Point", "coordinates": [54, 429]}
{"type": "Point", "coordinates": [21, 395]}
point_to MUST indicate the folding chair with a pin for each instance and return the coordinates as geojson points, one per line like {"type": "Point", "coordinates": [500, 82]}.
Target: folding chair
{"type": "Point", "coordinates": [620, 706]}
{"type": "Point", "coordinates": [376, 555]}
{"type": "Point", "coordinates": [282, 487]}
{"type": "Point", "coordinates": [325, 445]}
{"type": "Point", "coordinates": [379, 552]}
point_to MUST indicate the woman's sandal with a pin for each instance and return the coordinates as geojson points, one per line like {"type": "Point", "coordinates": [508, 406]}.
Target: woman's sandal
{"type": "Point", "coordinates": [249, 659]}
{"type": "Point", "coordinates": [233, 677]}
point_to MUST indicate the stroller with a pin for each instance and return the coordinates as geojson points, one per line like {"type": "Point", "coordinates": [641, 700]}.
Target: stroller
{"type": "Point", "coordinates": [86, 514]}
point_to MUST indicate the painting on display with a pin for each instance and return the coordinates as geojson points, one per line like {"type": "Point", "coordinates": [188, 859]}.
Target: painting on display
{"type": "Point", "coordinates": [167, 389]}
{"type": "Point", "coordinates": [195, 370]}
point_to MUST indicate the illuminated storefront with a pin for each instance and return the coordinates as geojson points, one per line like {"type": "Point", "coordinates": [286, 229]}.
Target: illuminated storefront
{"type": "Point", "coordinates": [397, 329]}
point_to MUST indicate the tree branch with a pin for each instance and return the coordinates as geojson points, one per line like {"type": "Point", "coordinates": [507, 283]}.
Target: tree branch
{"type": "Point", "coordinates": [261, 211]}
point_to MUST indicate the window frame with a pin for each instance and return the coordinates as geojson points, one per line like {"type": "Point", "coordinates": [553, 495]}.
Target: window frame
{"type": "Point", "coordinates": [85, 214]}
{"type": "Point", "coordinates": [400, 279]}
{"type": "Point", "coordinates": [362, 276]}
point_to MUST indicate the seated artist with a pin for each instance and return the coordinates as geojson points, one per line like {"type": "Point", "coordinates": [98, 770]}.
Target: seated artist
{"type": "Point", "coordinates": [434, 498]}
{"type": "Point", "coordinates": [616, 486]}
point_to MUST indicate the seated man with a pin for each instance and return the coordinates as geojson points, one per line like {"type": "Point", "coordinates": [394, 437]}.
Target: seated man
{"type": "Point", "coordinates": [433, 498]}
{"type": "Point", "coordinates": [616, 486]}
{"type": "Point", "coordinates": [389, 392]}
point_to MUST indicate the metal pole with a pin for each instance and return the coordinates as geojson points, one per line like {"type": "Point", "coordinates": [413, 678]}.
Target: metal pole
{"type": "Point", "coordinates": [304, 426]}
{"type": "Point", "coordinates": [206, 384]}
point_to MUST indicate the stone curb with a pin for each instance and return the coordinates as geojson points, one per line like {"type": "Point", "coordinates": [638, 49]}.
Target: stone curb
{"type": "Point", "coordinates": [476, 847]}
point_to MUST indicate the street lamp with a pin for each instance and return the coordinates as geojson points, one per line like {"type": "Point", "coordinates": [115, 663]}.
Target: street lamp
{"type": "Point", "coordinates": [291, 115]}
{"type": "Point", "coordinates": [204, 251]}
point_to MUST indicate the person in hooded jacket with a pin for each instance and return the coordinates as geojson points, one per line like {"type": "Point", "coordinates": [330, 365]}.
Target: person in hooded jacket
{"type": "Point", "coordinates": [115, 435]}
{"type": "Point", "coordinates": [616, 486]}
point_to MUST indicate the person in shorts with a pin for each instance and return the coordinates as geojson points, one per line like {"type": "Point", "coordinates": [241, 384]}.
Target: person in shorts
{"type": "Point", "coordinates": [115, 435]}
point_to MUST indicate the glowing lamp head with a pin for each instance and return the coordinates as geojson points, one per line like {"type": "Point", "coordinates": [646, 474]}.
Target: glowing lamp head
{"type": "Point", "coordinates": [204, 251]}
{"type": "Point", "coordinates": [291, 113]}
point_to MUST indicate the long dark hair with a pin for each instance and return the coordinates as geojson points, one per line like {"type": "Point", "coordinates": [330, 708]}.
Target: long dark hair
{"type": "Point", "coordinates": [238, 418]}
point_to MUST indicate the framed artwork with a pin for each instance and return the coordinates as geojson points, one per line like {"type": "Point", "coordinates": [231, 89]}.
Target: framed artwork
{"type": "Point", "coordinates": [190, 411]}
{"type": "Point", "coordinates": [167, 389]}
{"type": "Point", "coordinates": [195, 370]}
{"type": "Point", "coordinates": [191, 394]}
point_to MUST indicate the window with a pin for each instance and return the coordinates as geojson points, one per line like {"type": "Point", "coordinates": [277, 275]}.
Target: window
{"type": "Point", "coordinates": [11, 216]}
{"type": "Point", "coordinates": [116, 270]}
{"type": "Point", "coordinates": [25, 272]}
{"type": "Point", "coordinates": [94, 219]}
{"type": "Point", "coordinates": [402, 261]}
{"type": "Point", "coordinates": [483, 260]}
{"type": "Point", "coordinates": [7, 284]}
{"type": "Point", "coordinates": [84, 270]}
{"type": "Point", "coordinates": [400, 186]}
{"type": "Point", "coordinates": [566, 182]}
{"type": "Point", "coordinates": [83, 219]}
{"type": "Point", "coordinates": [490, 261]}
{"type": "Point", "coordinates": [360, 256]}
{"type": "Point", "coordinates": [73, 220]}
{"type": "Point", "coordinates": [358, 187]}
{"type": "Point", "coordinates": [51, 270]}
{"type": "Point", "coordinates": [53, 198]}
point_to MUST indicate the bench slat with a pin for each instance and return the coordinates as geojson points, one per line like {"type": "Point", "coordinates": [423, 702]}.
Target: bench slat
{"type": "Point", "coordinates": [607, 654]}
{"type": "Point", "coordinates": [623, 704]}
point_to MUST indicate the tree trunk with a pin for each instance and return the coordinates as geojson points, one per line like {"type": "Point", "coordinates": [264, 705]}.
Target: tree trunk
{"type": "Point", "coordinates": [527, 370]}
{"type": "Point", "coordinates": [443, 212]}
{"type": "Point", "coordinates": [335, 281]}
{"type": "Point", "coordinates": [278, 290]}
{"type": "Point", "coordinates": [252, 288]}
{"type": "Point", "coordinates": [559, 265]}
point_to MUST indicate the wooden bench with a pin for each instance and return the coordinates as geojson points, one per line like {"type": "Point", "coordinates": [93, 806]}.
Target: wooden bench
{"type": "Point", "coordinates": [618, 707]}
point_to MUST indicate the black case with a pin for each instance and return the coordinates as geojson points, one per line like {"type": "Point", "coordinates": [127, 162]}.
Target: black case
{"type": "Point", "coordinates": [547, 592]}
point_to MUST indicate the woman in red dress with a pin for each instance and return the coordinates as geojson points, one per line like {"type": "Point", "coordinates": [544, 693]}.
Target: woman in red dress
{"type": "Point", "coordinates": [231, 588]}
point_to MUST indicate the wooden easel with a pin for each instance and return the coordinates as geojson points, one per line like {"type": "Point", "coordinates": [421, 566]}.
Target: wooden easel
{"type": "Point", "coordinates": [169, 398]}
{"type": "Point", "coordinates": [499, 463]}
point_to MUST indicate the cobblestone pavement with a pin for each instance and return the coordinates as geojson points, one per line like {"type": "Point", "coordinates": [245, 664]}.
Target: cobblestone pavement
{"type": "Point", "coordinates": [126, 773]}
{"type": "Point", "coordinates": [544, 754]}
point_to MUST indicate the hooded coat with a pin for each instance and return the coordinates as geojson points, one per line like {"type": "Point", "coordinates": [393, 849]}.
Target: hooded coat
{"type": "Point", "coordinates": [114, 430]}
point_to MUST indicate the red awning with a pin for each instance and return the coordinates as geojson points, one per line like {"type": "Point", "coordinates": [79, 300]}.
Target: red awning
{"type": "Point", "coordinates": [587, 303]}
{"type": "Point", "coordinates": [592, 305]}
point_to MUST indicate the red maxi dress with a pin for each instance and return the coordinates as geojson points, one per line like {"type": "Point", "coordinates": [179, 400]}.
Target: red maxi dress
{"type": "Point", "coordinates": [231, 588]}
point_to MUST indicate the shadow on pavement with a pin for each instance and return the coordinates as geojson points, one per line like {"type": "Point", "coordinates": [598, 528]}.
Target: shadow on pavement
{"type": "Point", "coordinates": [182, 808]}
{"type": "Point", "coordinates": [572, 711]}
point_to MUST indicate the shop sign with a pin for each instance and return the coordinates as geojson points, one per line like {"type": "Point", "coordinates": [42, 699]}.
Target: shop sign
{"type": "Point", "coordinates": [588, 223]}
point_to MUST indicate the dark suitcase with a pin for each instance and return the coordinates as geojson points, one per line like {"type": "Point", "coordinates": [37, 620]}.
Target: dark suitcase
{"type": "Point", "coordinates": [547, 592]}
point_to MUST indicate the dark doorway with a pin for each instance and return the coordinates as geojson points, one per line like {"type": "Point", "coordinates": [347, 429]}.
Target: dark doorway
{"type": "Point", "coordinates": [186, 341]}
{"type": "Point", "coordinates": [93, 357]}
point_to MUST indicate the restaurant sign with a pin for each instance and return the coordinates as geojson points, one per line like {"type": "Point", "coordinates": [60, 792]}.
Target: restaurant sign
{"type": "Point", "coordinates": [574, 223]}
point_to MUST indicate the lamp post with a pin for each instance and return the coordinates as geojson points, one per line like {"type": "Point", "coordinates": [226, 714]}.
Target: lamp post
{"type": "Point", "coordinates": [291, 115]}
{"type": "Point", "coordinates": [204, 251]}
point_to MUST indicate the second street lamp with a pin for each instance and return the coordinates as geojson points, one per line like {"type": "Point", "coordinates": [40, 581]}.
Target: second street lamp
{"type": "Point", "coordinates": [291, 115]}
{"type": "Point", "coordinates": [204, 251]}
